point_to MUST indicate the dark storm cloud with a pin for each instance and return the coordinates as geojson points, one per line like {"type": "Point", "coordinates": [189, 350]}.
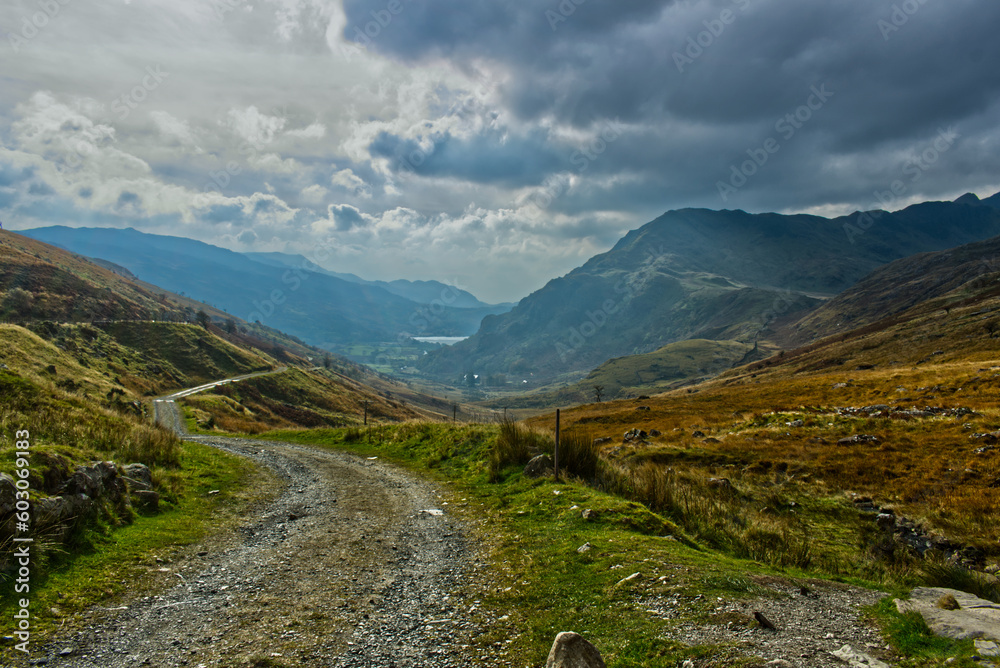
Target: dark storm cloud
{"type": "Point", "coordinates": [488, 157]}
{"type": "Point", "coordinates": [727, 72]}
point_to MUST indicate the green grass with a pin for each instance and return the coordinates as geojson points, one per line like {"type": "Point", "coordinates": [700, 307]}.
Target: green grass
{"type": "Point", "coordinates": [910, 637]}
{"type": "Point", "coordinates": [109, 562]}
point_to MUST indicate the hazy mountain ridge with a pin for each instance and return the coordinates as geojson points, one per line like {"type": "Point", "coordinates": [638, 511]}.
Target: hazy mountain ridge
{"type": "Point", "coordinates": [421, 292]}
{"type": "Point", "coordinates": [695, 273]}
{"type": "Point", "coordinates": [323, 310]}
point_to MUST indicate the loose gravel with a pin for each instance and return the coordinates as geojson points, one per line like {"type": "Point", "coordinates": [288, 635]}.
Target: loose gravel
{"type": "Point", "coordinates": [356, 563]}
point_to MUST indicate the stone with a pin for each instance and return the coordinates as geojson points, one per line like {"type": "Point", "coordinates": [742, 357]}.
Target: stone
{"type": "Point", "coordinates": [571, 650]}
{"type": "Point", "coordinates": [654, 432]}
{"type": "Point", "coordinates": [697, 434]}
{"type": "Point", "coordinates": [630, 578]}
{"type": "Point", "coordinates": [779, 663]}
{"type": "Point", "coordinates": [858, 438]}
{"type": "Point", "coordinates": [885, 521]}
{"type": "Point", "coordinates": [586, 547]}
{"type": "Point", "coordinates": [146, 500]}
{"type": "Point", "coordinates": [764, 621]}
{"type": "Point", "coordinates": [51, 511]}
{"type": "Point", "coordinates": [85, 480]}
{"type": "Point", "coordinates": [987, 649]}
{"type": "Point", "coordinates": [796, 423]}
{"type": "Point", "coordinates": [589, 514]}
{"type": "Point", "coordinates": [8, 493]}
{"type": "Point", "coordinates": [137, 476]}
{"type": "Point", "coordinates": [539, 467]}
{"type": "Point", "coordinates": [599, 441]}
{"type": "Point", "coordinates": [856, 659]}
{"type": "Point", "coordinates": [975, 618]}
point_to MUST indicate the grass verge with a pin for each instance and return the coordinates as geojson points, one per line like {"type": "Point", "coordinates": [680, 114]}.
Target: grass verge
{"type": "Point", "coordinates": [124, 561]}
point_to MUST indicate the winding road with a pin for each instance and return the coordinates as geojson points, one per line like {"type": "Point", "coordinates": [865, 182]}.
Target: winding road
{"type": "Point", "coordinates": [352, 563]}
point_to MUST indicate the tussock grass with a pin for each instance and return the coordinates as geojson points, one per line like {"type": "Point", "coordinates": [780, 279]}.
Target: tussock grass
{"type": "Point", "coordinates": [515, 445]}
{"type": "Point", "coordinates": [942, 573]}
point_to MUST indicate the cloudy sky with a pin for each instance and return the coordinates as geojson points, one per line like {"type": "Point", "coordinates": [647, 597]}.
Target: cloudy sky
{"type": "Point", "coordinates": [490, 144]}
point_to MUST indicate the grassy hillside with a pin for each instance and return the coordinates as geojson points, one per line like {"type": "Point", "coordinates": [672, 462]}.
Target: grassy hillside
{"type": "Point", "coordinates": [298, 398]}
{"type": "Point", "coordinates": [664, 368]}
{"type": "Point", "coordinates": [902, 285]}
{"type": "Point", "coordinates": [923, 384]}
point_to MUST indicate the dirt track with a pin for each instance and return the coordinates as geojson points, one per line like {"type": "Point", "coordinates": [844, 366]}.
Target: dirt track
{"type": "Point", "coordinates": [353, 564]}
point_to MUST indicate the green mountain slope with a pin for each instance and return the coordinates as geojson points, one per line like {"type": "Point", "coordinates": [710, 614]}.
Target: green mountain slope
{"type": "Point", "coordinates": [902, 285]}
{"type": "Point", "coordinates": [721, 275]}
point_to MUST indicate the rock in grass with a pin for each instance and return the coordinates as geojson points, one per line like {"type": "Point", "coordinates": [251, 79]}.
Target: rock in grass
{"type": "Point", "coordinates": [146, 501]}
{"type": "Point", "coordinates": [856, 659]}
{"type": "Point", "coordinates": [571, 650]}
{"type": "Point", "coordinates": [539, 467]}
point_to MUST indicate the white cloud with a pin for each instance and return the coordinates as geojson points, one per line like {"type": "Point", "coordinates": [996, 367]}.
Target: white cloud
{"type": "Point", "coordinates": [314, 131]}
{"type": "Point", "coordinates": [253, 126]}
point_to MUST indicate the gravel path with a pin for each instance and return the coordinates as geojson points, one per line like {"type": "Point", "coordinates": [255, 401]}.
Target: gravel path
{"type": "Point", "coordinates": [354, 564]}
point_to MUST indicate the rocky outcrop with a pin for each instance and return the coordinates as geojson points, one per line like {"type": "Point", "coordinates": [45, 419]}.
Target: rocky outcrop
{"type": "Point", "coordinates": [973, 618]}
{"type": "Point", "coordinates": [68, 500]}
{"type": "Point", "coordinates": [571, 650]}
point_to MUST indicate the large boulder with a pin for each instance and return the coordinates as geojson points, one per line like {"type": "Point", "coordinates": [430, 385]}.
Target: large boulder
{"type": "Point", "coordinates": [539, 467]}
{"type": "Point", "coordinates": [974, 618]}
{"type": "Point", "coordinates": [571, 650]}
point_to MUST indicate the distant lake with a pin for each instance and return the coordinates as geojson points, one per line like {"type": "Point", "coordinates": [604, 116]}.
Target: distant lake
{"type": "Point", "coordinates": [446, 340]}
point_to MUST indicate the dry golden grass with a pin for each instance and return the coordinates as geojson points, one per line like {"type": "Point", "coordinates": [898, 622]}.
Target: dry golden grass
{"type": "Point", "coordinates": [926, 468]}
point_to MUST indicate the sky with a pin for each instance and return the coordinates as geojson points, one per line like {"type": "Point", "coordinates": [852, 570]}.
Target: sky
{"type": "Point", "coordinates": [490, 145]}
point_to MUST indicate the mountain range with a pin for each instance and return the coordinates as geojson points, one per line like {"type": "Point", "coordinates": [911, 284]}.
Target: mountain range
{"type": "Point", "coordinates": [282, 292]}
{"type": "Point", "coordinates": [696, 273]}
